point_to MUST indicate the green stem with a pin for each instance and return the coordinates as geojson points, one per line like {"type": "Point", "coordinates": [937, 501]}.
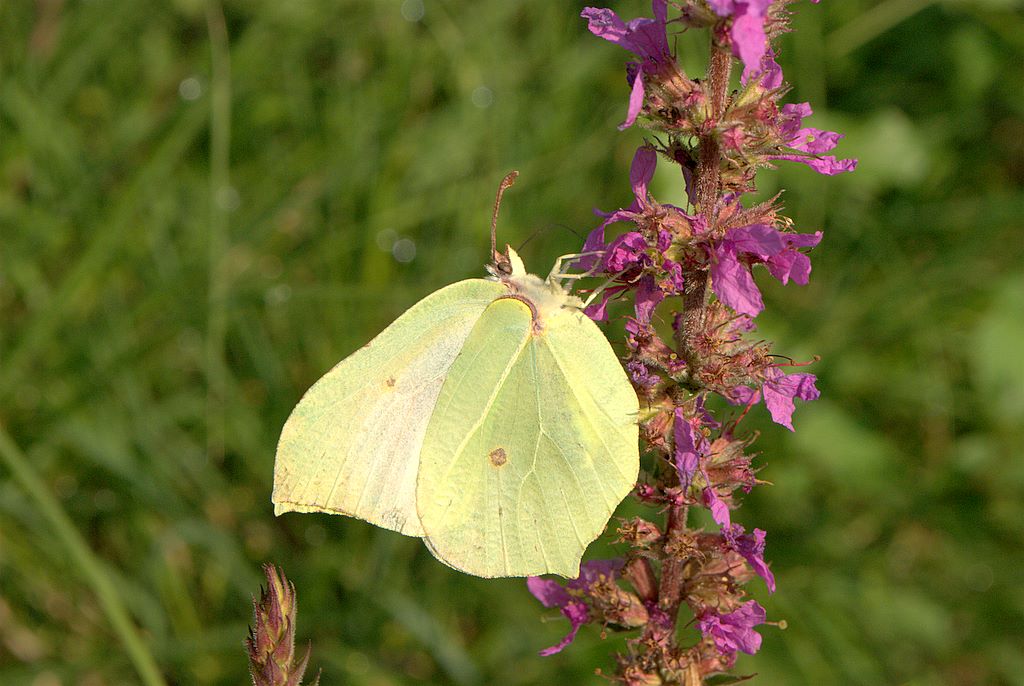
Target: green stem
{"type": "Point", "coordinates": [83, 560]}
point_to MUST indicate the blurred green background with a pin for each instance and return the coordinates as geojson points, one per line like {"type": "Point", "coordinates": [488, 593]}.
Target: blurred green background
{"type": "Point", "coordinates": [195, 224]}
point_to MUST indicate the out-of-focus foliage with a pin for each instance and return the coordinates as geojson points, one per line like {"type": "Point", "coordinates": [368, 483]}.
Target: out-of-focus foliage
{"type": "Point", "coordinates": [145, 372]}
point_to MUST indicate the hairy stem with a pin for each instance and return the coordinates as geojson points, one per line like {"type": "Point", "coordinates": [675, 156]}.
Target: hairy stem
{"type": "Point", "coordinates": [707, 187]}
{"type": "Point", "coordinates": [710, 151]}
{"type": "Point", "coordinates": [672, 579]}
{"type": "Point", "coordinates": [695, 298]}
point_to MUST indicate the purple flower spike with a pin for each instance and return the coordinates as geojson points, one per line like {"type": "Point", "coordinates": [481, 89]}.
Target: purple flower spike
{"type": "Point", "coordinates": [734, 631]}
{"type": "Point", "coordinates": [643, 37]}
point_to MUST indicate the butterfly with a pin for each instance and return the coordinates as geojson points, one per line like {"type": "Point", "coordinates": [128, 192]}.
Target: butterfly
{"type": "Point", "coordinates": [492, 419]}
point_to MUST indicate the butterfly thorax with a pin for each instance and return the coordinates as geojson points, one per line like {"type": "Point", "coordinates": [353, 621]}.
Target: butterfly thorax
{"type": "Point", "coordinates": [545, 298]}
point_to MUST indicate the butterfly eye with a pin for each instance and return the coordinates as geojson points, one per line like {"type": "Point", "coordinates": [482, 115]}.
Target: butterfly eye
{"type": "Point", "coordinates": [503, 266]}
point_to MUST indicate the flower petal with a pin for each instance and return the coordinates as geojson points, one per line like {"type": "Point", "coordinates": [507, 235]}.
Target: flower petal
{"type": "Point", "coordinates": [756, 239]}
{"type": "Point", "coordinates": [648, 295]}
{"type": "Point", "coordinates": [749, 42]}
{"type": "Point", "coordinates": [735, 630]}
{"type": "Point", "coordinates": [593, 571]}
{"type": "Point", "coordinates": [719, 508]}
{"type": "Point", "coordinates": [780, 392]}
{"type": "Point", "coordinates": [641, 171]}
{"type": "Point", "coordinates": [547, 591]}
{"type": "Point", "coordinates": [636, 100]}
{"type": "Point", "coordinates": [815, 140]}
{"type": "Point", "coordinates": [790, 264]}
{"type": "Point", "coordinates": [732, 283]}
{"type": "Point", "coordinates": [577, 614]}
{"type": "Point", "coordinates": [751, 547]}
{"type": "Point", "coordinates": [687, 455]}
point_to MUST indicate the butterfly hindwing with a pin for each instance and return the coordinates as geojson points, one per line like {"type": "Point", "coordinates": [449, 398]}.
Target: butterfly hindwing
{"type": "Point", "coordinates": [531, 447]}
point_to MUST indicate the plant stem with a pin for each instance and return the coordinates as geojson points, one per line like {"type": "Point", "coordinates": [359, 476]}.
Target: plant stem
{"type": "Point", "coordinates": [695, 297]}
{"type": "Point", "coordinates": [672, 579]}
{"type": "Point", "coordinates": [707, 181]}
{"type": "Point", "coordinates": [710, 151]}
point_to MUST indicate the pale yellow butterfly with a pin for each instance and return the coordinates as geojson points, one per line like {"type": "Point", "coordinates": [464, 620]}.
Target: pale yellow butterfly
{"type": "Point", "coordinates": [492, 419]}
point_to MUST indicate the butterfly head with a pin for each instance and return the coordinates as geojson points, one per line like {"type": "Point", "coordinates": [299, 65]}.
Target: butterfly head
{"type": "Point", "coordinates": [506, 265]}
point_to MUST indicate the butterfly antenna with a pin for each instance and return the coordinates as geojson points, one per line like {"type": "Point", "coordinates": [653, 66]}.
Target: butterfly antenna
{"type": "Point", "coordinates": [507, 182]}
{"type": "Point", "coordinates": [533, 235]}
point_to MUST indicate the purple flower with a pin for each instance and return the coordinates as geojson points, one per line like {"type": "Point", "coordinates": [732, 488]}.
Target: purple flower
{"type": "Point", "coordinates": [573, 610]}
{"type": "Point", "coordinates": [749, 41]}
{"type": "Point", "coordinates": [719, 508]}
{"type": "Point", "coordinates": [626, 252]}
{"type": "Point", "coordinates": [641, 375]}
{"type": "Point", "coordinates": [734, 631]}
{"type": "Point", "coordinates": [732, 282]}
{"type": "Point", "coordinates": [648, 295]}
{"type": "Point", "coordinates": [598, 311]}
{"type": "Point", "coordinates": [791, 263]}
{"type": "Point", "coordinates": [779, 391]}
{"type": "Point", "coordinates": [751, 547]}
{"type": "Point", "coordinates": [674, 270]}
{"type": "Point", "coordinates": [629, 254]}
{"type": "Point", "coordinates": [769, 74]}
{"type": "Point", "coordinates": [810, 141]}
{"type": "Point", "coordinates": [644, 37]}
{"type": "Point", "coordinates": [552, 594]}
{"type": "Point", "coordinates": [690, 446]}
{"type": "Point", "coordinates": [731, 279]}
{"type": "Point", "coordinates": [641, 171]}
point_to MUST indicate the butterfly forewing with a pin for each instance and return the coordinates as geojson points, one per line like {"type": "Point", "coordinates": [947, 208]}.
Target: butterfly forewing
{"type": "Point", "coordinates": [352, 444]}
